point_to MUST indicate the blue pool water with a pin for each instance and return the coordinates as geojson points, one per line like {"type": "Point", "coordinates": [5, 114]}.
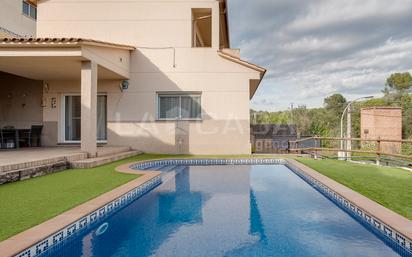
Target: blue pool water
{"type": "Point", "coordinates": [245, 210]}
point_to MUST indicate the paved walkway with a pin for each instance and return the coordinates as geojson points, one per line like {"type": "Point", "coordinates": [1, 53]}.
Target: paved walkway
{"type": "Point", "coordinates": [25, 157]}
{"type": "Point", "coordinates": [10, 157]}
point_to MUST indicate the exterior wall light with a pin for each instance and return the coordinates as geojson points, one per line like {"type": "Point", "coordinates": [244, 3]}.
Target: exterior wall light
{"type": "Point", "coordinates": [124, 85]}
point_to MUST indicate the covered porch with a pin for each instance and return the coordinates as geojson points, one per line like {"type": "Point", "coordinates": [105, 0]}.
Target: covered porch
{"type": "Point", "coordinates": [78, 67]}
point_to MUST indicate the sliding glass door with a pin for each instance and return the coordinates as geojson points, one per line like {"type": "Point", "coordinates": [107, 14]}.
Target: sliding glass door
{"type": "Point", "coordinates": [72, 117]}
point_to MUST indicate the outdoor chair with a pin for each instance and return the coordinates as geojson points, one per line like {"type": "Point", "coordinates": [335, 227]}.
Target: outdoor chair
{"type": "Point", "coordinates": [27, 137]}
{"type": "Point", "coordinates": [8, 137]}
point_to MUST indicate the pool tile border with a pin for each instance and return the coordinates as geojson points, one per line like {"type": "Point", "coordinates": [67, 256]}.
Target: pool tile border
{"type": "Point", "coordinates": [154, 164]}
{"type": "Point", "coordinates": [385, 230]}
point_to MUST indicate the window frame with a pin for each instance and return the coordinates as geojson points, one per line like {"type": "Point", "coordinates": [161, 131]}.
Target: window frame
{"type": "Point", "coordinates": [180, 95]}
{"type": "Point", "coordinates": [30, 7]}
{"type": "Point", "coordinates": [62, 119]}
{"type": "Point", "coordinates": [196, 37]}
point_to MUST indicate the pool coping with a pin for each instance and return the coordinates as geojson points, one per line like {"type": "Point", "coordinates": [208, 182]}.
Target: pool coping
{"type": "Point", "coordinates": [19, 243]}
{"type": "Point", "coordinates": [381, 217]}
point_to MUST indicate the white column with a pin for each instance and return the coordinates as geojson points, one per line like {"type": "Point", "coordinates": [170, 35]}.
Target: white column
{"type": "Point", "coordinates": [89, 108]}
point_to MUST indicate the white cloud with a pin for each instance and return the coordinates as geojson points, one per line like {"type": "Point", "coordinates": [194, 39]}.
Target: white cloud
{"type": "Point", "coordinates": [316, 47]}
{"type": "Point", "coordinates": [334, 12]}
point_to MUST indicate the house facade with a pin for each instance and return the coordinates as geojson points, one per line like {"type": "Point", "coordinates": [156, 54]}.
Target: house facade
{"type": "Point", "coordinates": [158, 76]}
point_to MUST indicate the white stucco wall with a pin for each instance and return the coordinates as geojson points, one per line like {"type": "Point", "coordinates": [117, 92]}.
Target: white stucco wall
{"type": "Point", "coordinates": [132, 114]}
{"type": "Point", "coordinates": [12, 19]}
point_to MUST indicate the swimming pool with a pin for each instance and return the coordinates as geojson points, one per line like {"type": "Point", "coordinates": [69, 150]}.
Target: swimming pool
{"type": "Point", "coordinates": [228, 210]}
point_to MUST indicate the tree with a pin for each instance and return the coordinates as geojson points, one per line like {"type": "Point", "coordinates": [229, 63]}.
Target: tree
{"type": "Point", "coordinates": [398, 82]}
{"type": "Point", "coordinates": [301, 119]}
{"type": "Point", "coordinates": [335, 103]}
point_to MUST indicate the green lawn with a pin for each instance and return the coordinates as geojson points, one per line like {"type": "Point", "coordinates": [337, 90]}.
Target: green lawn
{"type": "Point", "coordinates": [391, 187]}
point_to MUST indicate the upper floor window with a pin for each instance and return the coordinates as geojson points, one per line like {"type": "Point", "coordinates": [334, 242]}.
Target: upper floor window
{"type": "Point", "coordinates": [201, 27]}
{"type": "Point", "coordinates": [178, 106]}
{"type": "Point", "coordinates": [29, 10]}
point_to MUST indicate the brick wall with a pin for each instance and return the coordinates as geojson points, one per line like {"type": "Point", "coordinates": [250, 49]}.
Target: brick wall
{"type": "Point", "coordinates": [383, 122]}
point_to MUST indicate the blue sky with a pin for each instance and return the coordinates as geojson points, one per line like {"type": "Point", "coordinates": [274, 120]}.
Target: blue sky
{"type": "Point", "coordinates": [314, 48]}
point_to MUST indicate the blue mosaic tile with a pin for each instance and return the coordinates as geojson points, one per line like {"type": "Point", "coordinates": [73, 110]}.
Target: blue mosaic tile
{"type": "Point", "coordinates": [42, 246]}
{"type": "Point", "coordinates": [58, 237]}
{"type": "Point", "coordinates": [26, 253]}
{"type": "Point", "coordinates": [153, 165]}
{"type": "Point", "coordinates": [93, 216]}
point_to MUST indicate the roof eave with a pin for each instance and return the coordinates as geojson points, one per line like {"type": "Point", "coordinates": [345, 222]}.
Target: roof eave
{"type": "Point", "coordinates": [242, 62]}
{"type": "Point", "coordinates": [59, 42]}
{"type": "Point", "coordinates": [249, 65]}
{"type": "Point", "coordinates": [260, 81]}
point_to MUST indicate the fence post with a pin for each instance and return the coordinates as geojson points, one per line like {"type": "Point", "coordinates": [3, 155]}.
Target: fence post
{"type": "Point", "coordinates": [378, 151]}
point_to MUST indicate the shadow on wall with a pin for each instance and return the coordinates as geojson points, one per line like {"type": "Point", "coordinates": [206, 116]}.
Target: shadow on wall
{"type": "Point", "coordinates": [20, 101]}
{"type": "Point", "coordinates": [142, 129]}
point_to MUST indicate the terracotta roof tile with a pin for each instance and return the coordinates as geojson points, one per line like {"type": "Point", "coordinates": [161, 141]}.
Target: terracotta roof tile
{"type": "Point", "coordinates": [59, 41]}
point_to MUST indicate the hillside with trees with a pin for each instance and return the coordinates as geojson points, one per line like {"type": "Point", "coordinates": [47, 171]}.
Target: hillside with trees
{"type": "Point", "coordinates": [325, 121]}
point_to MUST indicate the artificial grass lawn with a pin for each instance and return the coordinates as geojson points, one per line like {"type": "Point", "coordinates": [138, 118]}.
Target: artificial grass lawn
{"type": "Point", "coordinates": [391, 187]}
{"type": "Point", "coordinates": [25, 204]}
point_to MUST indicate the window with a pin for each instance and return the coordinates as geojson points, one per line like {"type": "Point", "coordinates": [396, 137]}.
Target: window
{"type": "Point", "coordinates": [179, 106]}
{"type": "Point", "coordinates": [29, 10]}
{"type": "Point", "coordinates": [201, 27]}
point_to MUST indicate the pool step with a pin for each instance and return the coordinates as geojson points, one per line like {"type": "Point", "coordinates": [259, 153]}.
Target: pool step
{"type": "Point", "coordinates": [108, 151]}
{"type": "Point", "coordinates": [172, 172]}
{"type": "Point", "coordinates": [101, 160]}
